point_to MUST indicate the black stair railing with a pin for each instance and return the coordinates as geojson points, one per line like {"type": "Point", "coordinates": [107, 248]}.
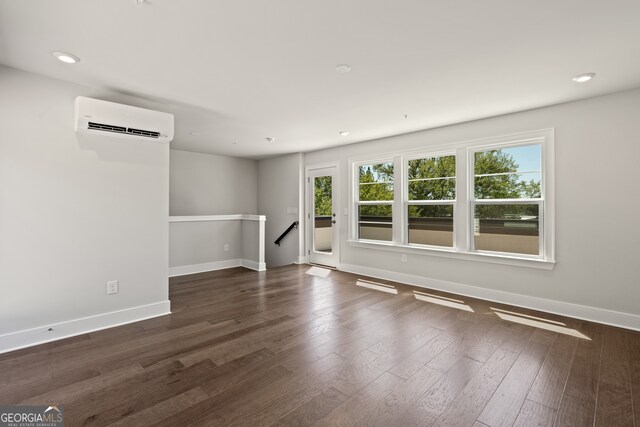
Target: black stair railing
{"type": "Point", "coordinates": [291, 227]}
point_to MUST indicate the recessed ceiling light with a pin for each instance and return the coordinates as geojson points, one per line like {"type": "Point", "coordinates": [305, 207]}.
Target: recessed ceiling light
{"type": "Point", "coordinates": [344, 133]}
{"type": "Point", "coordinates": [270, 139]}
{"type": "Point", "coordinates": [65, 57]}
{"type": "Point", "coordinates": [343, 68]}
{"type": "Point", "coordinates": [584, 77]}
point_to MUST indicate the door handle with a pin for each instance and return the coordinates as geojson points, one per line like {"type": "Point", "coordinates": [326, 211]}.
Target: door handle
{"type": "Point", "coordinates": [333, 221]}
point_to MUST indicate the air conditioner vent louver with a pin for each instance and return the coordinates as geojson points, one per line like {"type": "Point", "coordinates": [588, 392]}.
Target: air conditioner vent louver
{"type": "Point", "coordinates": [141, 132]}
{"type": "Point", "coordinates": [107, 128]}
{"type": "Point", "coordinates": [121, 129]}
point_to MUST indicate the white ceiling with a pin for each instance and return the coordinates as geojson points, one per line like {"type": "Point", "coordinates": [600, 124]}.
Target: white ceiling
{"type": "Point", "coordinates": [242, 70]}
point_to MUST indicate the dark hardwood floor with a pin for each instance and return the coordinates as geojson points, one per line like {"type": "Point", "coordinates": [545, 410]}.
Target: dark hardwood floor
{"type": "Point", "coordinates": [286, 348]}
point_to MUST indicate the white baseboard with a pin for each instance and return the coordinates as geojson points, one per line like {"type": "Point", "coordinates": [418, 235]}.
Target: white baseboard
{"type": "Point", "coordinates": [593, 314]}
{"type": "Point", "coordinates": [204, 267]}
{"type": "Point", "coordinates": [215, 265]}
{"type": "Point", "coordinates": [253, 265]}
{"type": "Point", "coordinates": [70, 328]}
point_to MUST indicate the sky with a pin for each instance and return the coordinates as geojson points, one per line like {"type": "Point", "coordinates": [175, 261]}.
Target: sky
{"type": "Point", "coordinates": [527, 156]}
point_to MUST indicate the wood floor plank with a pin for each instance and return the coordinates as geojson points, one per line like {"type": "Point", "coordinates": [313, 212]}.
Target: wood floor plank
{"type": "Point", "coordinates": [428, 408]}
{"type": "Point", "coordinates": [534, 414]}
{"type": "Point", "coordinates": [585, 370]}
{"type": "Point", "coordinates": [286, 348]}
{"type": "Point", "coordinates": [215, 407]}
{"type": "Point", "coordinates": [315, 409]}
{"type": "Point", "coordinates": [614, 403]}
{"type": "Point", "coordinates": [73, 392]}
{"type": "Point", "coordinates": [287, 394]}
{"type": "Point", "coordinates": [549, 385]}
{"type": "Point", "coordinates": [411, 363]}
{"type": "Point", "coordinates": [633, 340]}
{"type": "Point", "coordinates": [361, 403]}
{"type": "Point", "coordinates": [466, 408]}
{"type": "Point", "coordinates": [575, 412]}
{"type": "Point", "coordinates": [504, 406]}
{"type": "Point", "coordinates": [389, 411]}
{"type": "Point", "coordinates": [162, 409]}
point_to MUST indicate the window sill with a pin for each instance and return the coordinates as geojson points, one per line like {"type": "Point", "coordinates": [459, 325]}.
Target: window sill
{"type": "Point", "coordinates": [449, 253]}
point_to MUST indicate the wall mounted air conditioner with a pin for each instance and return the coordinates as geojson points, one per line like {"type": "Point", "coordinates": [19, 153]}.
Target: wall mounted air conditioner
{"type": "Point", "coordinates": [97, 117]}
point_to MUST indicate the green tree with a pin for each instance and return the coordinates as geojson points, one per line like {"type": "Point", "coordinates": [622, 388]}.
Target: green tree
{"type": "Point", "coordinates": [376, 184]}
{"type": "Point", "coordinates": [507, 186]}
{"type": "Point", "coordinates": [434, 179]}
{"type": "Point", "coordinates": [322, 196]}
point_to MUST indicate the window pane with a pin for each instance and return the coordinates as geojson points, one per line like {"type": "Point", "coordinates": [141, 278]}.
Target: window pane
{"type": "Point", "coordinates": [372, 192]}
{"type": "Point", "coordinates": [507, 228]}
{"type": "Point", "coordinates": [432, 178]}
{"type": "Point", "coordinates": [376, 181]}
{"type": "Point", "coordinates": [434, 167]}
{"type": "Point", "coordinates": [508, 173]}
{"type": "Point", "coordinates": [375, 222]}
{"type": "Point", "coordinates": [322, 203]}
{"type": "Point", "coordinates": [431, 225]}
{"type": "Point", "coordinates": [509, 186]}
{"type": "Point", "coordinates": [436, 189]}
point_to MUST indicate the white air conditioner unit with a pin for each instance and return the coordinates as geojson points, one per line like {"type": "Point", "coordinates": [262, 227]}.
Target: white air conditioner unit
{"type": "Point", "coordinates": [97, 117]}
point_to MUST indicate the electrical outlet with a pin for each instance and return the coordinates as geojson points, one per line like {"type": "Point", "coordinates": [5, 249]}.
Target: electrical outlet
{"type": "Point", "coordinates": [226, 247]}
{"type": "Point", "coordinates": [403, 258]}
{"type": "Point", "coordinates": [112, 287]}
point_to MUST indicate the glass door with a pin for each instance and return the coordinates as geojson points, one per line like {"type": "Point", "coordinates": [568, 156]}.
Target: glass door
{"type": "Point", "coordinates": [322, 213]}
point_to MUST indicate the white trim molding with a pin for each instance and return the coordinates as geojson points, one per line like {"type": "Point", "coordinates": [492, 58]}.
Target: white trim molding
{"type": "Point", "coordinates": [334, 258]}
{"type": "Point", "coordinates": [184, 270]}
{"type": "Point", "coordinates": [258, 265]}
{"type": "Point", "coordinates": [302, 260]}
{"type": "Point", "coordinates": [47, 333]}
{"type": "Point", "coordinates": [253, 265]}
{"type": "Point", "coordinates": [582, 312]}
{"type": "Point", "coordinates": [451, 253]}
{"type": "Point", "coordinates": [201, 218]}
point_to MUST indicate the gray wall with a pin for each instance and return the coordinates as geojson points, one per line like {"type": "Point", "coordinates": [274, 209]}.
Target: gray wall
{"type": "Point", "coordinates": [250, 240]}
{"type": "Point", "coordinates": [75, 213]}
{"type": "Point", "coordinates": [597, 205]}
{"type": "Point", "coordinates": [205, 184]}
{"type": "Point", "coordinates": [202, 242]}
{"type": "Point", "coordinates": [279, 181]}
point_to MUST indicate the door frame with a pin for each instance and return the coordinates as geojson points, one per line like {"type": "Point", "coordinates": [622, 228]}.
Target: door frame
{"type": "Point", "coordinates": [308, 208]}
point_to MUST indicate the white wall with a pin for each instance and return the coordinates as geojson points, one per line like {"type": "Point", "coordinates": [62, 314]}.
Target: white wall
{"type": "Point", "coordinates": [597, 215]}
{"type": "Point", "coordinates": [74, 214]}
{"type": "Point", "coordinates": [279, 188]}
{"type": "Point", "coordinates": [205, 184]}
{"type": "Point", "coordinates": [193, 243]}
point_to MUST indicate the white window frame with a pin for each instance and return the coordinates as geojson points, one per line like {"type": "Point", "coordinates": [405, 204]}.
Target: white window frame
{"type": "Point", "coordinates": [406, 202]}
{"type": "Point", "coordinates": [355, 191]}
{"type": "Point", "coordinates": [464, 203]}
